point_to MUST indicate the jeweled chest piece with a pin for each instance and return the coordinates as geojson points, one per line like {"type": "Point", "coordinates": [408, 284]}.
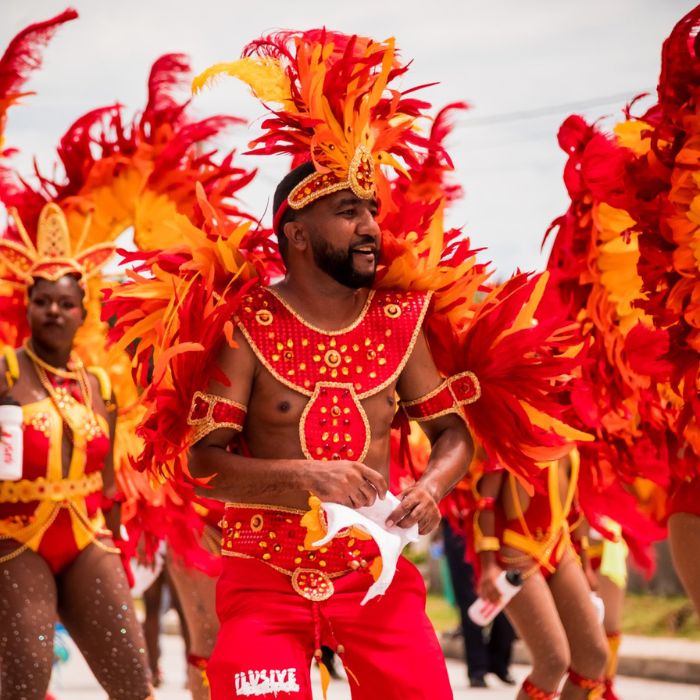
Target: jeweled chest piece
{"type": "Point", "coordinates": [333, 424]}
{"type": "Point", "coordinates": [335, 369]}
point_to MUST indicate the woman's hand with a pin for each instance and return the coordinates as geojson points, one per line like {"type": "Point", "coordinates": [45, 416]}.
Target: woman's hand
{"type": "Point", "coordinates": [486, 588]}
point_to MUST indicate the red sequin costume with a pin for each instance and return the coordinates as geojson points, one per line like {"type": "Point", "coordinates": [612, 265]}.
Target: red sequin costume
{"type": "Point", "coordinates": [52, 514]}
{"type": "Point", "coordinates": [540, 531]}
{"type": "Point", "coordinates": [312, 594]}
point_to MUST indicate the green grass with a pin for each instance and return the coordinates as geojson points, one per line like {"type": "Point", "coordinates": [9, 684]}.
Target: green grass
{"type": "Point", "coordinates": [647, 615]}
{"type": "Point", "coordinates": [660, 617]}
{"type": "Point", "coordinates": [443, 616]}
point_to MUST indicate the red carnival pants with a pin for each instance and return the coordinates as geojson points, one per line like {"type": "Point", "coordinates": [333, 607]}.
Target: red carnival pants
{"type": "Point", "coordinates": [269, 633]}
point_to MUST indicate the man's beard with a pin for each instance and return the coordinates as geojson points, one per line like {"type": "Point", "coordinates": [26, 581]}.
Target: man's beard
{"type": "Point", "coordinates": [338, 264]}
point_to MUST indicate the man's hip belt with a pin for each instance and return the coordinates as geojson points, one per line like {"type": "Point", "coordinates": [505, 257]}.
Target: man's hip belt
{"type": "Point", "coordinates": [283, 539]}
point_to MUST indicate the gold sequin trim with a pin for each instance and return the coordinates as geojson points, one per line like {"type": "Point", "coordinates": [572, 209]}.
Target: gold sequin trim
{"type": "Point", "coordinates": [257, 522]}
{"type": "Point", "coordinates": [312, 584]}
{"type": "Point", "coordinates": [264, 317]}
{"type": "Point", "coordinates": [205, 425]}
{"type": "Point", "coordinates": [42, 489]}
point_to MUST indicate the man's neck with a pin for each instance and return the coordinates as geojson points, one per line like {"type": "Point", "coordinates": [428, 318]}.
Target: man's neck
{"type": "Point", "coordinates": [322, 302]}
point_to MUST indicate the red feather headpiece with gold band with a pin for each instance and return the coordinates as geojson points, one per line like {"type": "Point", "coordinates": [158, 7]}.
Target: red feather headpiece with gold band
{"type": "Point", "coordinates": [336, 107]}
{"type": "Point", "coordinates": [52, 257]}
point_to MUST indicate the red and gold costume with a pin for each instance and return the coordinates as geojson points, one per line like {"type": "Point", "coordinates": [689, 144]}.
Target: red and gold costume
{"type": "Point", "coordinates": [52, 513]}
{"type": "Point", "coordinates": [624, 253]}
{"type": "Point", "coordinates": [623, 265]}
{"type": "Point", "coordinates": [120, 173]}
{"type": "Point", "coordinates": [335, 102]}
{"type": "Point", "coordinates": [541, 531]}
{"type": "Point", "coordinates": [113, 173]}
{"type": "Point", "coordinates": [335, 370]}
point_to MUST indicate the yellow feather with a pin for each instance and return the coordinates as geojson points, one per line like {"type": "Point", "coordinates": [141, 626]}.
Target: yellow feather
{"type": "Point", "coordinates": [550, 423]}
{"type": "Point", "coordinates": [266, 78]}
{"type": "Point", "coordinates": [634, 135]}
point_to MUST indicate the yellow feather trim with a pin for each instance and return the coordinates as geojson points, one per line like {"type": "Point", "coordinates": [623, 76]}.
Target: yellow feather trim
{"type": "Point", "coordinates": [12, 364]}
{"type": "Point", "coordinates": [551, 424]}
{"type": "Point", "coordinates": [313, 522]}
{"type": "Point", "coordinates": [376, 568]}
{"type": "Point", "coordinates": [634, 134]}
{"type": "Point", "coordinates": [325, 678]}
{"type": "Point", "coordinates": [266, 78]}
{"type": "Point", "coordinates": [103, 380]}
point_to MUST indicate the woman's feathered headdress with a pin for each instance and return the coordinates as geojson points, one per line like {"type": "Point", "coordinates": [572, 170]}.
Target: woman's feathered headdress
{"type": "Point", "coordinates": [52, 257]}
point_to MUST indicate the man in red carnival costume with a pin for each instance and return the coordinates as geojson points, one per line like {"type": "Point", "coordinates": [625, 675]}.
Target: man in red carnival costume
{"type": "Point", "coordinates": [310, 384]}
{"type": "Point", "coordinates": [301, 398]}
{"type": "Point", "coordinates": [319, 358]}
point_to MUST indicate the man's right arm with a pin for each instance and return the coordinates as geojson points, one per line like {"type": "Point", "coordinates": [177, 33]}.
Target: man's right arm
{"type": "Point", "coordinates": [231, 477]}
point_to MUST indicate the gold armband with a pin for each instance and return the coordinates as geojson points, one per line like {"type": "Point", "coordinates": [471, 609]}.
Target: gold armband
{"type": "Point", "coordinates": [456, 391]}
{"type": "Point", "coordinates": [584, 543]}
{"type": "Point", "coordinates": [486, 544]}
{"type": "Point", "coordinates": [209, 412]}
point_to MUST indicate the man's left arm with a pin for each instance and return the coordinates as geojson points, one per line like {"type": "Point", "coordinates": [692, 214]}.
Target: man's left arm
{"type": "Point", "coordinates": [451, 446]}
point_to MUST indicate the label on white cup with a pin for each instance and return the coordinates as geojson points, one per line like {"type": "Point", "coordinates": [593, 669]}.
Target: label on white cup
{"type": "Point", "coordinates": [11, 442]}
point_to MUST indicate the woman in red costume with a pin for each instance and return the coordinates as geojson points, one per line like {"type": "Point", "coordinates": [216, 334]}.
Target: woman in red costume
{"type": "Point", "coordinates": [122, 172]}
{"type": "Point", "coordinates": [553, 612]}
{"type": "Point", "coordinates": [57, 557]}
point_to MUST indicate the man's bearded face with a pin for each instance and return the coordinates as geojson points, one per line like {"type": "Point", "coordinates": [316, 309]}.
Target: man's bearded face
{"type": "Point", "coordinates": [354, 267]}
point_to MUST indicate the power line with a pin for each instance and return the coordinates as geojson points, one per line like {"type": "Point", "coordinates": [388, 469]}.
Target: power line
{"type": "Point", "coordinates": [521, 115]}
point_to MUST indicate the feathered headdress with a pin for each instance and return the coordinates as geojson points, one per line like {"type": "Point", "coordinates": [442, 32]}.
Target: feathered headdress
{"type": "Point", "coordinates": [333, 105]}
{"type": "Point", "coordinates": [52, 257]}
{"type": "Point", "coordinates": [156, 173]}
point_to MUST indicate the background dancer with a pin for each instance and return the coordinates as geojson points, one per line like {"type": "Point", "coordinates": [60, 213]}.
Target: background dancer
{"type": "Point", "coordinates": [57, 557]}
{"type": "Point", "coordinates": [553, 612]}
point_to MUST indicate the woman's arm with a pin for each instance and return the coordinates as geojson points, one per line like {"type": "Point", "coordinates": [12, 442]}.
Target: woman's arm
{"type": "Point", "coordinates": [111, 507]}
{"type": "Point", "coordinates": [485, 542]}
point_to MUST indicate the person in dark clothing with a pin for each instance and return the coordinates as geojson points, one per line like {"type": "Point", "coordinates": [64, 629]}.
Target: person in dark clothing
{"type": "Point", "coordinates": [487, 649]}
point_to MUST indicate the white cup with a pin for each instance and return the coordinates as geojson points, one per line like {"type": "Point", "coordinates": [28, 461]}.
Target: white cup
{"type": "Point", "coordinates": [481, 611]}
{"type": "Point", "coordinates": [11, 442]}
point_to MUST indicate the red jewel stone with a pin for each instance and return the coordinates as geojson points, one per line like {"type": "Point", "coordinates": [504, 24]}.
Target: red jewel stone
{"type": "Point", "coordinates": [199, 409]}
{"type": "Point", "coordinates": [226, 413]}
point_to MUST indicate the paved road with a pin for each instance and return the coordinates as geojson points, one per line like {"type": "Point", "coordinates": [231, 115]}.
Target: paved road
{"type": "Point", "coordinates": [73, 681]}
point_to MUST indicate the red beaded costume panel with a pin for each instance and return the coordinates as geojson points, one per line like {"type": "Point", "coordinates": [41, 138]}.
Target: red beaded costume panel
{"type": "Point", "coordinates": [335, 369]}
{"type": "Point", "coordinates": [458, 390]}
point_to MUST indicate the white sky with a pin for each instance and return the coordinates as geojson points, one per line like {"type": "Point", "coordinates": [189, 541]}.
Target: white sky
{"type": "Point", "coordinates": [504, 57]}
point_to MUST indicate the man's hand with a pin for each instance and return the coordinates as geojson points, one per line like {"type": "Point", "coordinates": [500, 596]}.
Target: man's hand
{"type": "Point", "coordinates": [486, 589]}
{"type": "Point", "coordinates": [417, 505]}
{"type": "Point", "coordinates": [351, 484]}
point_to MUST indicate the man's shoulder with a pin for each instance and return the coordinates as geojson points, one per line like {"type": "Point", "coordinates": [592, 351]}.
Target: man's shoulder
{"type": "Point", "coordinates": [400, 292]}
{"type": "Point", "coordinates": [394, 304]}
